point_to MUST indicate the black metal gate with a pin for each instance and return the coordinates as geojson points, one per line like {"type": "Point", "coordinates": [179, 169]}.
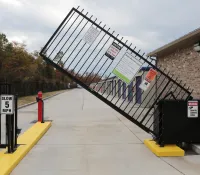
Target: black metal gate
{"type": "Point", "coordinates": [92, 55]}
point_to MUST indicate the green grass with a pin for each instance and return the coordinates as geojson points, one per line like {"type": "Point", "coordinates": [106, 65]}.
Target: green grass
{"type": "Point", "coordinates": [32, 98]}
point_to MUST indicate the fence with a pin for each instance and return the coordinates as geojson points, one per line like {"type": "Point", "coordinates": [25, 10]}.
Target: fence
{"type": "Point", "coordinates": [32, 87]}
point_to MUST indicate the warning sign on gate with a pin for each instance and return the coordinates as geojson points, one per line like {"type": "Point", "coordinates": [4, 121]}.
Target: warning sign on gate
{"type": "Point", "coordinates": [113, 51]}
{"type": "Point", "coordinates": [91, 35]}
{"type": "Point", "coordinates": [192, 109]}
{"type": "Point", "coordinates": [127, 68]}
{"type": "Point", "coordinates": [151, 75]}
{"type": "Point", "coordinates": [7, 104]}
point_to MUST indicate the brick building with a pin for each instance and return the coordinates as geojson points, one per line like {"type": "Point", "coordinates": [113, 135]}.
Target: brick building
{"type": "Point", "coordinates": [182, 58]}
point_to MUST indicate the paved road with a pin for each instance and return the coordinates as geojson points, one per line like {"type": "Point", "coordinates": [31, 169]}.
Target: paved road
{"type": "Point", "coordinates": [89, 138]}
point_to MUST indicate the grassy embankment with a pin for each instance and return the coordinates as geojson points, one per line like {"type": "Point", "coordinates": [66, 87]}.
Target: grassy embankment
{"type": "Point", "coordinates": [32, 98]}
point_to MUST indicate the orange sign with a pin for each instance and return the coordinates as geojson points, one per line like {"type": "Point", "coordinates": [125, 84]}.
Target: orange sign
{"type": "Point", "coordinates": [151, 75]}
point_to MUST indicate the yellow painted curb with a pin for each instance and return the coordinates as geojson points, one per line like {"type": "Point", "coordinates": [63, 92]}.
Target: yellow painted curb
{"type": "Point", "coordinates": [29, 138]}
{"type": "Point", "coordinates": [166, 151]}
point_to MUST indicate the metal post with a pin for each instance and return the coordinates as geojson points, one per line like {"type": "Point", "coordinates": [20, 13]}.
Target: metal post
{"type": "Point", "coordinates": [40, 107]}
{"type": "Point", "coordinates": [16, 119]}
{"type": "Point", "coordinates": [8, 133]}
{"type": "Point", "coordinates": [12, 133]}
{"type": "Point", "coordinates": [0, 129]}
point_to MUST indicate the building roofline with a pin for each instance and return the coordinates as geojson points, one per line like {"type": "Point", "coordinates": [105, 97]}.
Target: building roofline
{"type": "Point", "coordinates": [181, 42]}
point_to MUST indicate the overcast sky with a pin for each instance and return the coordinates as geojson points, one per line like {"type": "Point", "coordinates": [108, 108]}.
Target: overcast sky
{"type": "Point", "coordinates": [149, 24]}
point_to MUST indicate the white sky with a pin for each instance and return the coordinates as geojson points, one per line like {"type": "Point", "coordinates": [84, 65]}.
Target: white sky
{"type": "Point", "coordinates": [148, 24]}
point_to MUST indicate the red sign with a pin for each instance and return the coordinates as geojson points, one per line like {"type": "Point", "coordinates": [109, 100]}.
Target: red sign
{"type": "Point", "coordinates": [151, 75]}
{"type": "Point", "coordinates": [193, 104]}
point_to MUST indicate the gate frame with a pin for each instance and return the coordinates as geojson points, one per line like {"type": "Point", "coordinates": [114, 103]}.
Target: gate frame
{"type": "Point", "coordinates": [91, 90]}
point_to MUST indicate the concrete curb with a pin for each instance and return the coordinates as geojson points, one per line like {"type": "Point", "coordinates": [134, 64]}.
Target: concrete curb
{"type": "Point", "coordinates": [166, 151]}
{"type": "Point", "coordinates": [27, 140]}
{"type": "Point", "coordinates": [28, 104]}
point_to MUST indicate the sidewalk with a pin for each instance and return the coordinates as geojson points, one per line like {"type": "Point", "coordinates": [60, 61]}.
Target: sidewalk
{"type": "Point", "coordinates": [89, 138]}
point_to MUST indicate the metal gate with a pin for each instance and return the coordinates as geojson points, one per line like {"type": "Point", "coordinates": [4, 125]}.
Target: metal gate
{"type": "Point", "coordinates": [94, 56]}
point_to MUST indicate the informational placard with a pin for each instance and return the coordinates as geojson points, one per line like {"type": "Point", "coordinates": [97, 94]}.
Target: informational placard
{"type": "Point", "coordinates": [127, 68]}
{"type": "Point", "coordinates": [7, 104]}
{"type": "Point", "coordinates": [151, 75]}
{"type": "Point", "coordinates": [59, 56]}
{"type": "Point", "coordinates": [192, 109]}
{"type": "Point", "coordinates": [113, 51]}
{"type": "Point", "coordinates": [91, 35]}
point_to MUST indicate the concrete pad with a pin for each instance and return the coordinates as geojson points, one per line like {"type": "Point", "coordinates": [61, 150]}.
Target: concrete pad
{"type": "Point", "coordinates": [138, 132]}
{"type": "Point", "coordinates": [188, 165]}
{"type": "Point", "coordinates": [89, 138]}
{"type": "Point", "coordinates": [89, 133]}
{"type": "Point", "coordinates": [93, 159]}
{"type": "Point", "coordinates": [62, 159]}
{"type": "Point", "coordinates": [125, 159]}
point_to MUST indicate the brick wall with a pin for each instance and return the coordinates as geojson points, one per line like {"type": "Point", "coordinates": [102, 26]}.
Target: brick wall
{"type": "Point", "coordinates": [185, 64]}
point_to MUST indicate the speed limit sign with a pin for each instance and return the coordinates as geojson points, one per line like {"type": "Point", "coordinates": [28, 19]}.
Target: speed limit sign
{"type": "Point", "coordinates": [7, 104]}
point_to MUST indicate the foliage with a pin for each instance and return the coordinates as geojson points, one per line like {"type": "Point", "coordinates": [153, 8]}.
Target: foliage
{"type": "Point", "coordinates": [18, 65]}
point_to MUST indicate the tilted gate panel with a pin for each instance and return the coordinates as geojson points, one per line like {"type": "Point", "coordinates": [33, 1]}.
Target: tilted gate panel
{"type": "Point", "coordinates": [96, 57]}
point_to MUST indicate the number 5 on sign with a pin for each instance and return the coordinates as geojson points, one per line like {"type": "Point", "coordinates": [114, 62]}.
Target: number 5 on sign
{"type": "Point", "coordinates": [7, 104]}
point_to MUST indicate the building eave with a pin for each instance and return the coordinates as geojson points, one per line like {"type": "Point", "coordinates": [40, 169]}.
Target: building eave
{"type": "Point", "coordinates": [183, 42]}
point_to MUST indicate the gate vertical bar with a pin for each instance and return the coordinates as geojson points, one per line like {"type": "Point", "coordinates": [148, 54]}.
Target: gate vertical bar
{"type": "Point", "coordinates": [16, 119]}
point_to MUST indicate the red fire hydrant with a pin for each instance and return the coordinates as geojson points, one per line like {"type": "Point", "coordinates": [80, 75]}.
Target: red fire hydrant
{"type": "Point", "coordinates": [40, 107]}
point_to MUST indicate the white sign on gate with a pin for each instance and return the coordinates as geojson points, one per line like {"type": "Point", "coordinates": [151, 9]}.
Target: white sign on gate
{"type": "Point", "coordinates": [7, 104]}
{"type": "Point", "coordinates": [144, 85]}
{"type": "Point", "coordinates": [91, 35]}
{"type": "Point", "coordinates": [127, 68]}
{"type": "Point", "coordinates": [192, 109]}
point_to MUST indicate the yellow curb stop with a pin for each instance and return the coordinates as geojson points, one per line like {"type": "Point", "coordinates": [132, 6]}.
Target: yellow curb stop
{"type": "Point", "coordinates": [166, 151]}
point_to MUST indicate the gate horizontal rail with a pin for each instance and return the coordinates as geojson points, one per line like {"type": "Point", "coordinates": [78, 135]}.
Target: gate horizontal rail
{"type": "Point", "coordinates": [87, 51]}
